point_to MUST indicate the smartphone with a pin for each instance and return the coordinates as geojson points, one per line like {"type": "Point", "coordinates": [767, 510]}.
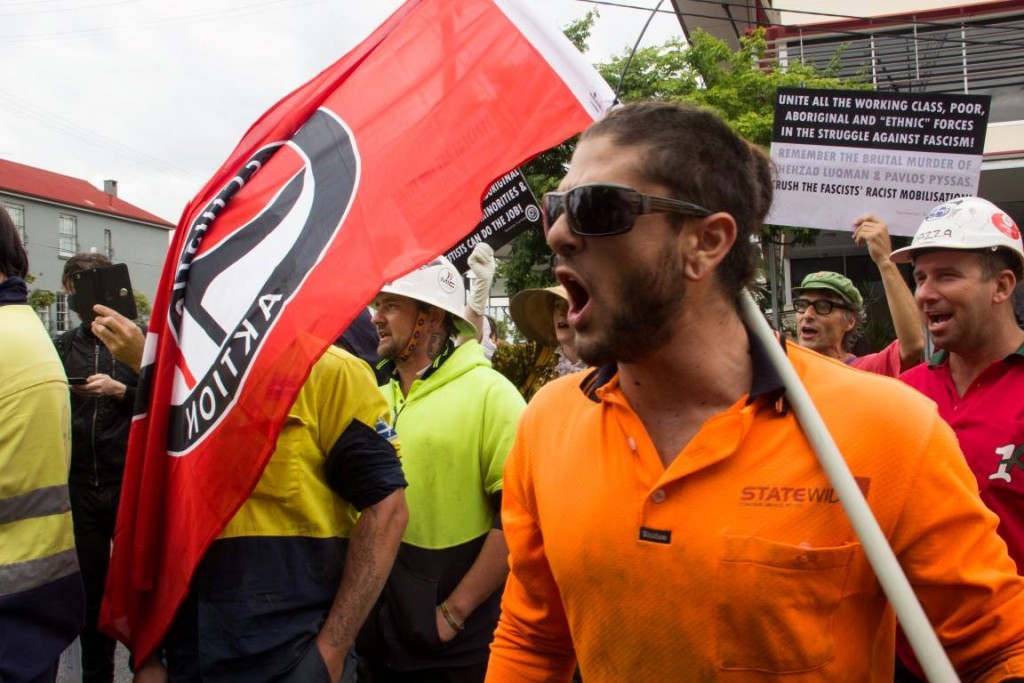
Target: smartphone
{"type": "Point", "coordinates": [77, 380]}
{"type": "Point", "coordinates": [107, 285]}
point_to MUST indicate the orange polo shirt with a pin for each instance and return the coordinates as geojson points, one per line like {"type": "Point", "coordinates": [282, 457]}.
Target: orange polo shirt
{"type": "Point", "coordinates": [737, 562]}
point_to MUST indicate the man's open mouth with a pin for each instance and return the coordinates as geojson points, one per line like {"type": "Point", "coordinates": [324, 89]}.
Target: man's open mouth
{"type": "Point", "coordinates": [579, 297]}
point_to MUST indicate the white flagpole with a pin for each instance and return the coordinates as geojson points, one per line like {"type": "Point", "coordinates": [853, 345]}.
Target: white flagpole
{"type": "Point", "coordinates": [890, 575]}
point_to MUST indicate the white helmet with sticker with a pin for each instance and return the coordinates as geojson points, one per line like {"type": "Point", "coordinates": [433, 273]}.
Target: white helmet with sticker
{"type": "Point", "coordinates": [436, 283]}
{"type": "Point", "coordinates": [969, 223]}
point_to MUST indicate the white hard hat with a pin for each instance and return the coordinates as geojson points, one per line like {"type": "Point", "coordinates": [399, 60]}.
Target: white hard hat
{"type": "Point", "coordinates": [965, 223]}
{"type": "Point", "coordinates": [439, 284]}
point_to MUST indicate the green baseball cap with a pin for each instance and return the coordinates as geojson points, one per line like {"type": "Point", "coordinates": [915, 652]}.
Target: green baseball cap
{"type": "Point", "coordinates": [835, 282]}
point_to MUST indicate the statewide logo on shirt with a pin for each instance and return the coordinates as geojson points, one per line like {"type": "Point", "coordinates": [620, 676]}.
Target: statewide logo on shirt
{"type": "Point", "coordinates": [795, 496]}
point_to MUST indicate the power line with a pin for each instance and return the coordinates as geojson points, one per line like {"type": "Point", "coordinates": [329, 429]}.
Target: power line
{"type": "Point", "coordinates": [76, 8]}
{"type": "Point", "coordinates": [622, 76]}
{"type": "Point", "coordinates": [34, 3]}
{"type": "Point", "coordinates": [881, 19]}
{"type": "Point", "coordinates": [892, 22]}
{"type": "Point", "coordinates": [30, 111]}
{"type": "Point", "coordinates": [985, 57]}
{"type": "Point", "coordinates": [267, 5]}
{"type": "Point", "coordinates": [859, 34]}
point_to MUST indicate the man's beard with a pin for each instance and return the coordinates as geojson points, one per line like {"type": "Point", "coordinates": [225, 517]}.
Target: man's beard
{"type": "Point", "coordinates": [388, 348]}
{"type": "Point", "coordinates": [644, 317]}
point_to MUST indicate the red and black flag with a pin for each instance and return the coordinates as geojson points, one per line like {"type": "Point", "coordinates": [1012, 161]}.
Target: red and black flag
{"type": "Point", "coordinates": [363, 173]}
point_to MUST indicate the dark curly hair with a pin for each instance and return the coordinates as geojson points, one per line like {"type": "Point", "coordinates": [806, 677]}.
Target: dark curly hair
{"type": "Point", "coordinates": [700, 159]}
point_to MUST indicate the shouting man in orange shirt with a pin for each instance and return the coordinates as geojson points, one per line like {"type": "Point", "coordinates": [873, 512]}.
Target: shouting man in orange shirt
{"type": "Point", "coordinates": [666, 518]}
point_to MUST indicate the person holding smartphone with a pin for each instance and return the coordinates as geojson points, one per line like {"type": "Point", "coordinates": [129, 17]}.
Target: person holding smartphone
{"type": "Point", "coordinates": [102, 401]}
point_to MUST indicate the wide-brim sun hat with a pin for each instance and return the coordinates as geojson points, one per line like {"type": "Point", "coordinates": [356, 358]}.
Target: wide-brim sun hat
{"type": "Point", "coordinates": [533, 311]}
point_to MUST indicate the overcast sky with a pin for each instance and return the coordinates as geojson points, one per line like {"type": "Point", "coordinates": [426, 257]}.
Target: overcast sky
{"type": "Point", "coordinates": [155, 94]}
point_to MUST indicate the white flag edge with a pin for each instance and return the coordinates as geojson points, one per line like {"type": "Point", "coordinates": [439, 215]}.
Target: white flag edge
{"type": "Point", "coordinates": [591, 90]}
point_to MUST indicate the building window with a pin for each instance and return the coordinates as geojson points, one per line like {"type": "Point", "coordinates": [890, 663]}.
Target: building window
{"type": "Point", "coordinates": [44, 317]}
{"type": "Point", "coordinates": [63, 319]}
{"type": "Point", "coordinates": [17, 214]}
{"type": "Point", "coordinates": [108, 244]}
{"type": "Point", "coordinates": [68, 236]}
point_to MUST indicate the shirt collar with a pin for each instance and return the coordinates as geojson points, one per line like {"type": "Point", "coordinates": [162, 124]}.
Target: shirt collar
{"type": "Point", "coordinates": [765, 380]}
{"type": "Point", "coordinates": [941, 357]}
{"type": "Point", "coordinates": [938, 358]}
{"type": "Point", "coordinates": [13, 290]}
{"type": "Point", "coordinates": [446, 353]}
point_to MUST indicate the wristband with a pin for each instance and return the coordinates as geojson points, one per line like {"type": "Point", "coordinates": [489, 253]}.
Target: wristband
{"type": "Point", "coordinates": [450, 618]}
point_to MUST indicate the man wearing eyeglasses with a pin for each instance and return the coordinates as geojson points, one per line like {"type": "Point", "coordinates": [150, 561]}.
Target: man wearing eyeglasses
{"type": "Point", "coordinates": [830, 310]}
{"type": "Point", "coordinates": [665, 516]}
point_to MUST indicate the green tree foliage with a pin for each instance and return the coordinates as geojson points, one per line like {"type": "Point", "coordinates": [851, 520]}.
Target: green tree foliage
{"type": "Point", "coordinates": [578, 32]}
{"type": "Point", "coordinates": [41, 298]}
{"type": "Point", "coordinates": [739, 85]}
{"type": "Point", "coordinates": [655, 73]}
{"type": "Point", "coordinates": [142, 308]}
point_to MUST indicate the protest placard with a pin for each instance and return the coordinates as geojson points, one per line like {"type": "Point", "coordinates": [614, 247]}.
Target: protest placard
{"type": "Point", "coordinates": [509, 209]}
{"type": "Point", "coordinates": [840, 154]}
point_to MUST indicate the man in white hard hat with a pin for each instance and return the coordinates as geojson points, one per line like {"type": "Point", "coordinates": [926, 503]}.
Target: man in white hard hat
{"type": "Point", "coordinates": [968, 258]}
{"type": "Point", "coordinates": [456, 419]}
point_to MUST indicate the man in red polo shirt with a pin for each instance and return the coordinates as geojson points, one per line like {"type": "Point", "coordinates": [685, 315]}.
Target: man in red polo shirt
{"type": "Point", "coordinates": [968, 259]}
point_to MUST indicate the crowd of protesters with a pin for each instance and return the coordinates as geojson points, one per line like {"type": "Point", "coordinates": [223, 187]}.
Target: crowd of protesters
{"type": "Point", "coordinates": [643, 508]}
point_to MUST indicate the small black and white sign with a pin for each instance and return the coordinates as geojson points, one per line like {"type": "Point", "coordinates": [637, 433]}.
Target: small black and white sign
{"type": "Point", "coordinates": [509, 209]}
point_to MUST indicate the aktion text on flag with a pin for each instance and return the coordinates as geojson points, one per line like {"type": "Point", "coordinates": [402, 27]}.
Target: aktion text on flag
{"type": "Point", "coordinates": [365, 172]}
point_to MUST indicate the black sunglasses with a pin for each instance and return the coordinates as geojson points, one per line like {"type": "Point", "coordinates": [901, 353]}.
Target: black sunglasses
{"type": "Point", "coordinates": [821, 306]}
{"type": "Point", "coordinates": [601, 209]}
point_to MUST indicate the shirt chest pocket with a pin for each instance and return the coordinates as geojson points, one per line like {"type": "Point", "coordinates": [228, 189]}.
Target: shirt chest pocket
{"type": "Point", "coordinates": [776, 604]}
